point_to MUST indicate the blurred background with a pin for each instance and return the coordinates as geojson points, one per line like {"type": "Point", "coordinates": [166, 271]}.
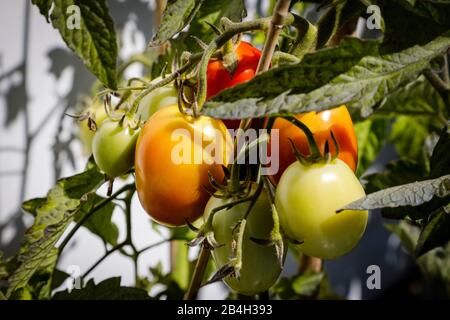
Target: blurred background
{"type": "Point", "coordinates": [40, 80]}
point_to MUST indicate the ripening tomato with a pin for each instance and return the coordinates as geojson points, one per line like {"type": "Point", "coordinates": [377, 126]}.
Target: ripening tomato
{"type": "Point", "coordinates": [260, 267]}
{"type": "Point", "coordinates": [157, 99]}
{"type": "Point", "coordinates": [174, 154]}
{"type": "Point", "coordinates": [113, 148]}
{"type": "Point", "coordinates": [307, 197]}
{"type": "Point", "coordinates": [219, 78]}
{"type": "Point", "coordinates": [337, 120]}
{"type": "Point", "coordinates": [97, 113]}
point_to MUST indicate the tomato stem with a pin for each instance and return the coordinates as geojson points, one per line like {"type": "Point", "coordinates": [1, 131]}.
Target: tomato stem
{"type": "Point", "coordinates": [199, 272]}
{"type": "Point", "coordinates": [315, 152]}
{"type": "Point", "coordinates": [279, 18]}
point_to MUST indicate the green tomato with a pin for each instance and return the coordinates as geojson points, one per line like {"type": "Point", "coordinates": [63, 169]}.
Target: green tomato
{"type": "Point", "coordinates": [113, 148]}
{"type": "Point", "coordinates": [97, 112]}
{"type": "Point", "coordinates": [307, 198]}
{"type": "Point", "coordinates": [260, 267]}
{"type": "Point", "coordinates": [157, 99]}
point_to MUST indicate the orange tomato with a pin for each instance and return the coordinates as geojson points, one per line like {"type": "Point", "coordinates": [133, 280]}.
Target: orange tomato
{"type": "Point", "coordinates": [172, 166]}
{"type": "Point", "coordinates": [321, 123]}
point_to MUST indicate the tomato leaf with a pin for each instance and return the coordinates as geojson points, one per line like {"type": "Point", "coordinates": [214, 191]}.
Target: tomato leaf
{"type": "Point", "coordinates": [436, 232]}
{"type": "Point", "coordinates": [109, 289]}
{"type": "Point", "coordinates": [440, 159]}
{"type": "Point", "coordinates": [63, 202]}
{"type": "Point", "coordinates": [93, 40]}
{"type": "Point", "coordinates": [371, 135]}
{"type": "Point", "coordinates": [176, 15]}
{"type": "Point", "coordinates": [363, 86]}
{"type": "Point", "coordinates": [299, 286]}
{"type": "Point", "coordinates": [413, 22]}
{"type": "Point", "coordinates": [412, 194]}
{"type": "Point", "coordinates": [305, 76]}
{"type": "Point", "coordinates": [416, 98]}
{"type": "Point", "coordinates": [409, 133]}
{"type": "Point", "coordinates": [100, 222]}
{"type": "Point", "coordinates": [396, 173]}
{"type": "Point", "coordinates": [32, 205]}
{"type": "Point", "coordinates": [307, 283]}
{"type": "Point", "coordinates": [406, 233]}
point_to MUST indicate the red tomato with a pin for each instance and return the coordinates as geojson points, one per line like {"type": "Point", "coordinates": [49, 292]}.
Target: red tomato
{"type": "Point", "coordinates": [219, 78]}
{"type": "Point", "coordinates": [337, 120]}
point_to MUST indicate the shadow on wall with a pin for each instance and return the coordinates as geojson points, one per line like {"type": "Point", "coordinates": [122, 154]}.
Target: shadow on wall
{"type": "Point", "coordinates": [17, 105]}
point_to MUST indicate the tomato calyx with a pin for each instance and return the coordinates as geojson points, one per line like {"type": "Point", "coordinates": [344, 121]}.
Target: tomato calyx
{"type": "Point", "coordinates": [316, 156]}
{"type": "Point", "coordinates": [230, 59]}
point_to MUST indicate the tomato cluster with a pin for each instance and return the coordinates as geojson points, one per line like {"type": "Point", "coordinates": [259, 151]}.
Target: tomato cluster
{"type": "Point", "coordinates": [175, 192]}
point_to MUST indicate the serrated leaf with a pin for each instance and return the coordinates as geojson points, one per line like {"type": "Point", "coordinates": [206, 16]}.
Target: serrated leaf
{"type": "Point", "coordinates": [307, 283]}
{"type": "Point", "coordinates": [32, 205]}
{"type": "Point", "coordinates": [362, 87]}
{"type": "Point", "coordinates": [40, 283]}
{"type": "Point", "coordinates": [408, 134]}
{"type": "Point", "coordinates": [371, 135]}
{"type": "Point", "coordinates": [109, 289]}
{"type": "Point", "coordinates": [396, 173]}
{"type": "Point", "coordinates": [440, 159]}
{"type": "Point", "coordinates": [95, 40]}
{"type": "Point", "coordinates": [100, 222]}
{"type": "Point", "coordinates": [63, 202]}
{"type": "Point", "coordinates": [416, 98]}
{"type": "Point", "coordinates": [315, 70]}
{"type": "Point", "coordinates": [436, 232]}
{"type": "Point", "coordinates": [176, 15]}
{"type": "Point", "coordinates": [412, 194]}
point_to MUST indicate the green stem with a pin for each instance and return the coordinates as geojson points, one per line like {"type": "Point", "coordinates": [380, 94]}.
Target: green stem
{"type": "Point", "coordinates": [107, 253]}
{"type": "Point", "coordinates": [139, 58]}
{"type": "Point", "coordinates": [169, 78]}
{"type": "Point", "coordinates": [239, 245]}
{"type": "Point", "coordinates": [97, 207]}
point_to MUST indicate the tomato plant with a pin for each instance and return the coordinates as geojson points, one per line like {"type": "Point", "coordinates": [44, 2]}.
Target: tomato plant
{"type": "Point", "coordinates": [260, 265]}
{"type": "Point", "coordinates": [307, 199]}
{"type": "Point", "coordinates": [113, 147]}
{"type": "Point", "coordinates": [172, 191]}
{"type": "Point", "coordinates": [335, 120]}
